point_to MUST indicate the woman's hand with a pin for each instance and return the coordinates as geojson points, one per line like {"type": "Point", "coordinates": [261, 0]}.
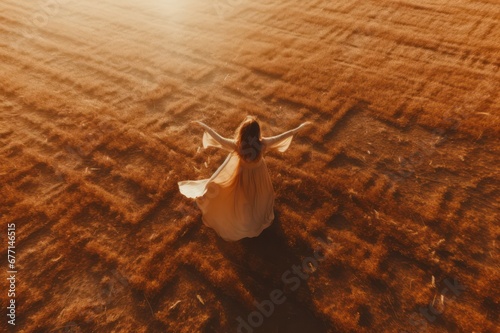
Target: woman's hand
{"type": "Point", "coordinates": [306, 124]}
{"type": "Point", "coordinates": [197, 122]}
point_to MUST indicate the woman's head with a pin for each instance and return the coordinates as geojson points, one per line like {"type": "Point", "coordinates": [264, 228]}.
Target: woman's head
{"type": "Point", "coordinates": [249, 144]}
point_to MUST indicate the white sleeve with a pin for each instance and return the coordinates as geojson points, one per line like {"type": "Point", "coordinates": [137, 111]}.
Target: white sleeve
{"type": "Point", "coordinates": [213, 139]}
{"type": "Point", "coordinates": [282, 141]}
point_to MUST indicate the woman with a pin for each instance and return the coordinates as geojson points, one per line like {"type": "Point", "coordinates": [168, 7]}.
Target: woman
{"type": "Point", "coordinates": [237, 201]}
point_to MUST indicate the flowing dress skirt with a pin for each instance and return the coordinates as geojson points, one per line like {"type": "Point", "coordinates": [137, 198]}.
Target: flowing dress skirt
{"type": "Point", "coordinates": [237, 201]}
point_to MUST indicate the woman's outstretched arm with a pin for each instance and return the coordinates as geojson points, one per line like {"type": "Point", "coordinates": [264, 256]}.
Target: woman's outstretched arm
{"type": "Point", "coordinates": [223, 142]}
{"type": "Point", "coordinates": [283, 140]}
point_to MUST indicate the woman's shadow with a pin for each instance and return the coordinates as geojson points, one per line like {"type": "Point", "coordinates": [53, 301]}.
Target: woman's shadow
{"type": "Point", "coordinates": [268, 266]}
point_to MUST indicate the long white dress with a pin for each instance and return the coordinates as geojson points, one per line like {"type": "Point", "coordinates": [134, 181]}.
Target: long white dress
{"type": "Point", "coordinates": [237, 201]}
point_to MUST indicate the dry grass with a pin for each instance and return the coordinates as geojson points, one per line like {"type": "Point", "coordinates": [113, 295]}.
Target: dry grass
{"type": "Point", "coordinates": [398, 177]}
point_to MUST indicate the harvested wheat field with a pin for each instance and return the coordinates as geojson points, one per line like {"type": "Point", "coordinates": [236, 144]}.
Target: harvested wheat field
{"type": "Point", "coordinates": [387, 208]}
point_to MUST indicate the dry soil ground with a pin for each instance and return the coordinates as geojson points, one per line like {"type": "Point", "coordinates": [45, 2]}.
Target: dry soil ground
{"type": "Point", "coordinates": [396, 184]}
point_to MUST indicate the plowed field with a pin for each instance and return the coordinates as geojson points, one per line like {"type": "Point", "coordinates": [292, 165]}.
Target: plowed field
{"type": "Point", "coordinates": [396, 185]}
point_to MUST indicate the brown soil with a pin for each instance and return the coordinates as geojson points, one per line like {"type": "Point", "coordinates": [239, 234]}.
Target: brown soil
{"type": "Point", "coordinates": [397, 183]}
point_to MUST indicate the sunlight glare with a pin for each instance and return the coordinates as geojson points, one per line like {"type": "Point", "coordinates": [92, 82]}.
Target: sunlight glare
{"type": "Point", "coordinates": [171, 7]}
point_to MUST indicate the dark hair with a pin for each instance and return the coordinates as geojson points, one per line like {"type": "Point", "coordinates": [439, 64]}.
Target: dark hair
{"type": "Point", "coordinates": [248, 140]}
